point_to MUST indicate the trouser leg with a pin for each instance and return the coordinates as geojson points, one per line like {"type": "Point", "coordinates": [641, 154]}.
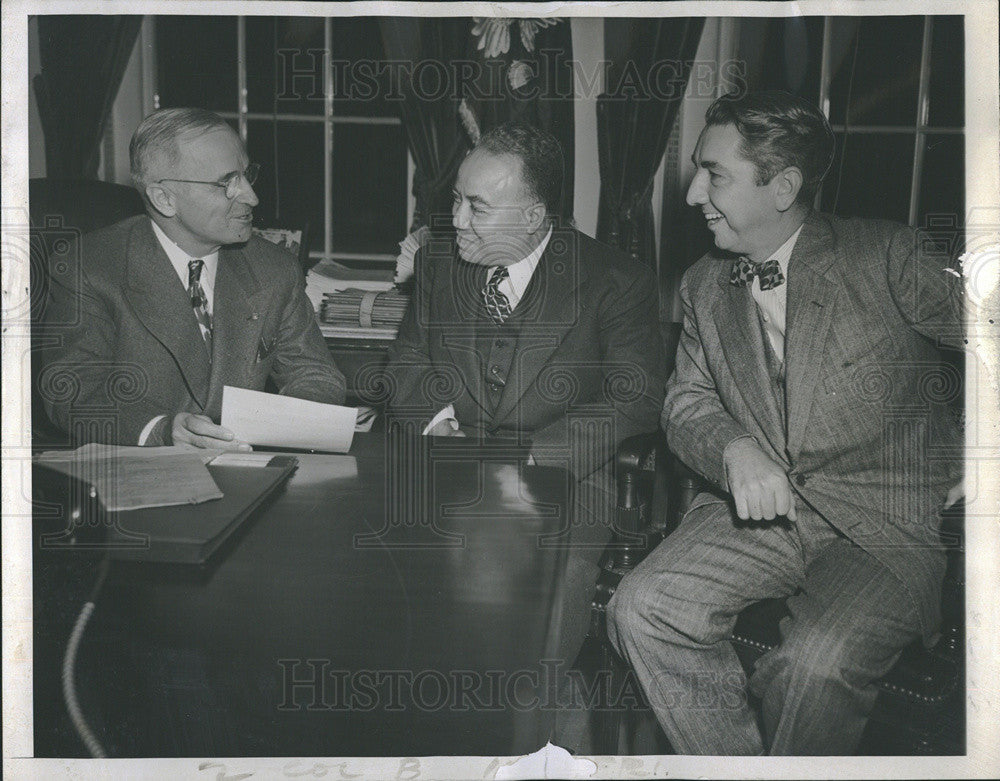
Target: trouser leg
{"type": "Point", "coordinates": [845, 630]}
{"type": "Point", "coordinates": [588, 538]}
{"type": "Point", "coordinates": [671, 619]}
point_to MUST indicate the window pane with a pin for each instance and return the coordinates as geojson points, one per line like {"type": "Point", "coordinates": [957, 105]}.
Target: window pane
{"type": "Point", "coordinates": [883, 77]}
{"type": "Point", "coordinates": [369, 188]}
{"type": "Point", "coordinates": [196, 59]}
{"type": "Point", "coordinates": [297, 173]}
{"type": "Point", "coordinates": [874, 175]}
{"type": "Point", "coordinates": [942, 185]}
{"type": "Point", "coordinates": [947, 85]}
{"type": "Point", "coordinates": [361, 74]}
{"type": "Point", "coordinates": [287, 52]}
{"type": "Point", "coordinates": [784, 54]}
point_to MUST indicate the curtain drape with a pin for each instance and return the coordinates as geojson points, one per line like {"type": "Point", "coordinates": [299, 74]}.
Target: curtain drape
{"type": "Point", "coordinates": [82, 61]}
{"type": "Point", "coordinates": [634, 119]}
{"type": "Point", "coordinates": [450, 92]}
{"type": "Point", "coordinates": [533, 86]}
{"type": "Point", "coordinates": [418, 47]}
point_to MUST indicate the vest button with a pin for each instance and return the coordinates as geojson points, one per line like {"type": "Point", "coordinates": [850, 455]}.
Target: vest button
{"type": "Point", "coordinates": [500, 343]}
{"type": "Point", "coordinates": [800, 480]}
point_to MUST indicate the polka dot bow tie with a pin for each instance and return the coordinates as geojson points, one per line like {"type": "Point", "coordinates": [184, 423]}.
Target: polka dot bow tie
{"type": "Point", "coordinates": [769, 273]}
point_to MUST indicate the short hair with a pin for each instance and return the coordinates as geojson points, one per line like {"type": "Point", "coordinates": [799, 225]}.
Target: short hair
{"type": "Point", "coordinates": [779, 130]}
{"type": "Point", "coordinates": [540, 154]}
{"type": "Point", "coordinates": [158, 134]}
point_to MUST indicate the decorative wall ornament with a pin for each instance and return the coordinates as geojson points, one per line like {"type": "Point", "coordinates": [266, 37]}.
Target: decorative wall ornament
{"type": "Point", "coordinates": [494, 33]}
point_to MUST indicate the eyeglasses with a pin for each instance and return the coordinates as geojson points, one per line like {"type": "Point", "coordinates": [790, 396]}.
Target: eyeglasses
{"type": "Point", "coordinates": [230, 182]}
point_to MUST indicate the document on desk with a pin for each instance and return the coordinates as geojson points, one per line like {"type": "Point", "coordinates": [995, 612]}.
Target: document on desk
{"type": "Point", "coordinates": [271, 420]}
{"type": "Point", "coordinates": [132, 478]}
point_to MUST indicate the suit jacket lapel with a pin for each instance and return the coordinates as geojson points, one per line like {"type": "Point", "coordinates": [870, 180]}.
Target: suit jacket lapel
{"type": "Point", "coordinates": [456, 303]}
{"type": "Point", "coordinates": [236, 316]}
{"type": "Point", "coordinates": [160, 302]}
{"type": "Point", "coordinates": [742, 342]}
{"type": "Point", "coordinates": [813, 288]}
{"type": "Point", "coordinates": [548, 310]}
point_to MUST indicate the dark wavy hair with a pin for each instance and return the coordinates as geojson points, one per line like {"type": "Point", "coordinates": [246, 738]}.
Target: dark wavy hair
{"type": "Point", "coordinates": [779, 130]}
{"type": "Point", "coordinates": [540, 154]}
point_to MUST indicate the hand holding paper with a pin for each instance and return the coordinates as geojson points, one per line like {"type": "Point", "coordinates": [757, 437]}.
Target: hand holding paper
{"type": "Point", "coordinates": [283, 421]}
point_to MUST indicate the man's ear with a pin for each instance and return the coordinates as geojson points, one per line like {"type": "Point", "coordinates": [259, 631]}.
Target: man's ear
{"type": "Point", "coordinates": [786, 185]}
{"type": "Point", "coordinates": [535, 216]}
{"type": "Point", "coordinates": [161, 199]}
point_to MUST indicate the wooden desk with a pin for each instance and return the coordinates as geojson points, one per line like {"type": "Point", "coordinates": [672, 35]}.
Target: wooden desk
{"type": "Point", "coordinates": [395, 602]}
{"type": "Point", "coordinates": [359, 358]}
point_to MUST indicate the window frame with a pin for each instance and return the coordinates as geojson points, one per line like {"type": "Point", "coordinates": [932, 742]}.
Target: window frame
{"type": "Point", "coordinates": [920, 129]}
{"type": "Point", "coordinates": [328, 119]}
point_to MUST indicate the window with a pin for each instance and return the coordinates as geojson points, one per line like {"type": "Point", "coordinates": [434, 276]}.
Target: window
{"type": "Point", "coordinates": [308, 95]}
{"type": "Point", "coordinates": [893, 89]}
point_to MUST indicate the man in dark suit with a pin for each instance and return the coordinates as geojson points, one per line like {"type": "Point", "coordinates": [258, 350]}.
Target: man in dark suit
{"type": "Point", "coordinates": [532, 332]}
{"type": "Point", "coordinates": [801, 393]}
{"type": "Point", "coordinates": [170, 307]}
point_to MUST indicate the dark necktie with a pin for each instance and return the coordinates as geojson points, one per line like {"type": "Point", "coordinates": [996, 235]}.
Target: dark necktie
{"type": "Point", "coordinates": [199, 302]}
{"type": "Point", "coordinates": [497, 305]}
{"type": "Point", "coordinates": [769, 273]}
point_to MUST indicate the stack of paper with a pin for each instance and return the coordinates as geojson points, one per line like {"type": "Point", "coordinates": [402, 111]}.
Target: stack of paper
{"type": "Point", "coordinates": [365, 308]}
{"type": "Point", "coordinates": [130, 478]}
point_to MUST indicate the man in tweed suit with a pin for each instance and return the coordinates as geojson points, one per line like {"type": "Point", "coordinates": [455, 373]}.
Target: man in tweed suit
{"type": "Point", "coordinates": [799, 394]}
{"type": "Point", "coordinates": [170, 307]}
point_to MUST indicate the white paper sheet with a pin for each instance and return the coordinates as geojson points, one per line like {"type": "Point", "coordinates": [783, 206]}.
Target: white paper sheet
{"type": "Point", "coordinates": [283, 421]}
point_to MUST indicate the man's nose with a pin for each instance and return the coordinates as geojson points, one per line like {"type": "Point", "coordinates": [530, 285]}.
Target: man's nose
{"type": "Point", "coordinates": [460, 216]}
{"type": "Point", "coordinates": [696, 193]}
{"type": "Point", "coordinates": [246, 193]}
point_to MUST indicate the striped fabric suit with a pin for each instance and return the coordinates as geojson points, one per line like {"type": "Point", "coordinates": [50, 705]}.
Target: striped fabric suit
{"type": "Point", "coordinates": [870, 450]}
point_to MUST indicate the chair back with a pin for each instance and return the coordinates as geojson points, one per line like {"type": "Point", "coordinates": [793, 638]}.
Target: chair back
{"type": "Point", "coordinates": [61, 211]}
{"type": "Point", "coordinates": [80, 204]}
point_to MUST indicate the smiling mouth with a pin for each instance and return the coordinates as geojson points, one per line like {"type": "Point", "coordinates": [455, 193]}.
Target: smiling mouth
{"type": "Point", "coordinates": [712, 218]}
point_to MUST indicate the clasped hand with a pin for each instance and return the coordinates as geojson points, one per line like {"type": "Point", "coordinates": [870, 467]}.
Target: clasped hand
{"type": "Point", "coordinates": [758, 484]}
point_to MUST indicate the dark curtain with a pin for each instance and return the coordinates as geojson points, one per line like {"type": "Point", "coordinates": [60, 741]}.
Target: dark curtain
{"type": "Point", "coordinates": [438, 70]}
{"type": "Point", "coordinates": [635, 115]}
{"type": "Point", "coordinates": [433, 130]}
{"type": "Point", "coordinates": [82, 61]}
{"type": "Point", "coordinates": [533, 87]}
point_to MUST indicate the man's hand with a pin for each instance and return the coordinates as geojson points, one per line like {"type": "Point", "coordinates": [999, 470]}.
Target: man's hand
{"type": "Point", "coordinates": [446, 427]}
{"type": "Point", "coordinates": [956, 494]}
{"type": "Point", "coordinates": [759, 486]}
{"type": "Point", "coordinates": [199, 431]}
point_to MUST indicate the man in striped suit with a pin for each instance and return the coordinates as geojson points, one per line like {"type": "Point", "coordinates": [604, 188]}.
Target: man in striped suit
{"type": "Point", "coordinates": [800, 393]}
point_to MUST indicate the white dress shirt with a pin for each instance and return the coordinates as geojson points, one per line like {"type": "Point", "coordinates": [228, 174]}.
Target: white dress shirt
{"type": "Point", "coordinates": [518, 276]}
{"type": "Point", "coordinates": [773, 303]}
{"type": "Point", "coordinates": [179, 259]}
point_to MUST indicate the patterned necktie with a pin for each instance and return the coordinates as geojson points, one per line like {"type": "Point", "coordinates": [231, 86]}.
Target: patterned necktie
{"type": "Point", "coordinates": [199, 302]}
{"type": "Point", "coordinates": [769, 273]}
{"type": "Point", "coordinates": [497, 305]}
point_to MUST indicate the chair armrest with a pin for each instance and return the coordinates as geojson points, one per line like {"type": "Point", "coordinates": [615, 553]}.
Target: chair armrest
{"type": "Point", "coordinates": [634, 451]}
